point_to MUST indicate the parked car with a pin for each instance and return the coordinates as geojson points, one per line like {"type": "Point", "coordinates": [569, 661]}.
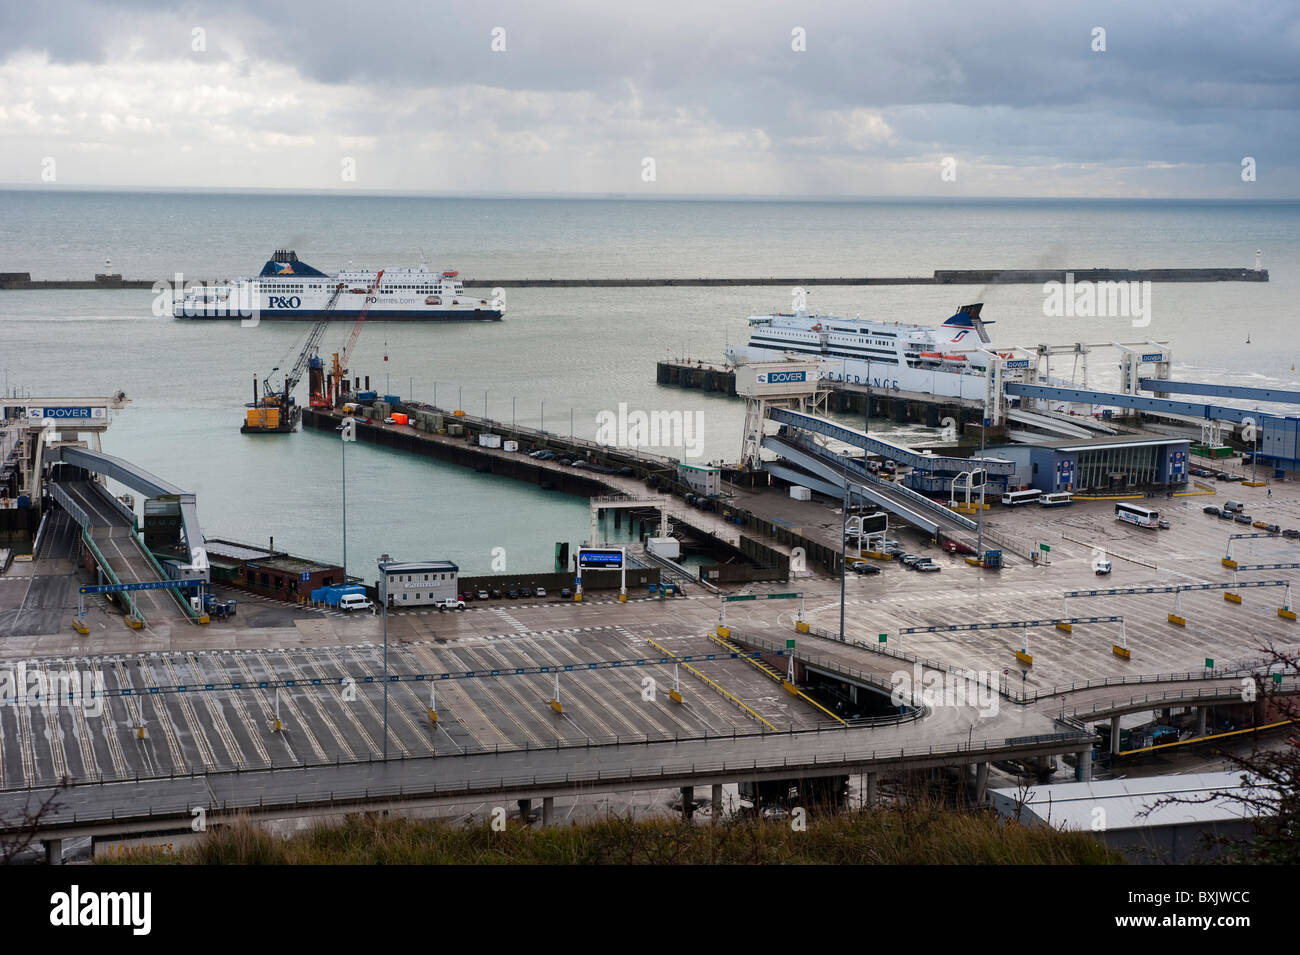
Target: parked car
{"type": "Point", "coordinates": [1291, 533]}
{"type": "Point", "coordinates": [483, 595]}
{"type": "Point", "coordinates": [1262, 525]}
{"type": "Point", "coordinates": [566, 594]}
{"type": "Point", "coordinates": [1211, 510]}
{"type": "Point", "coordinates": [390, 421]}
{"type": "Point", "coordinates": [1162, 524]}
{"type": "Point", "coordinates": [927, 566]}
{"type": "Point", "coordinates": [909, 560]}
{"type": "Point", "coordinates": [1102, 567]}
{"type": "Point", "coordinates": [449, 603]}
{"type": "Point", "coordinates": [512, 594]}
{"type": "Point", "coordinates": [467, 596]}
{"type": "Point", "coordinates": [1273, 529]}
{"type": "Point", "coordinates": [1225, 515]}
{"type": "Point", "coordinates": [862, 567]}
{"type": "Point", "coordinates": [541, 592]}
{"type": "Point", "coordinates": [1242, 518]}
{"type": "Point", "coordinates": [496, 594]}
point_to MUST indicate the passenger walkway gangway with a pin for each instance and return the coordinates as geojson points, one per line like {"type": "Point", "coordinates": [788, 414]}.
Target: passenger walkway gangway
{"type": "Point", "coordinates": [1191, 409]}
{"type": "Point", "coordinates": [1239, 392]}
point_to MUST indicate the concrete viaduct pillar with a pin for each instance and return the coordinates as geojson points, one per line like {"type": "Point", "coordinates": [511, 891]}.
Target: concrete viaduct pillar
{"type": "Point", "coordinates": [1085, 766]}
{"type": "Point", "coordinates": [548, 810]}
{"type": "Point", "coordinates": [981, 781]}
{"type": "Point", "coordinates": [688, 800]}
{"type": "Point", "coordinates": [716, 802]}
{"type": "Point", "coordinates": [871, 790]}
{"type": "Point", "coordinates": [1114, 736]}
{"type": "Point", "coordinates": [1202, 712]}
{"type": "Point", "coordinates": [54, 852]}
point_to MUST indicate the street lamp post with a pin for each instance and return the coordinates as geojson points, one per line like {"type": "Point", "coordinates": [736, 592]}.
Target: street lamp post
{"type": "Point", "coordinates": [844, 552]}
{"type": "Point", "coordinates": [343, 487]}
{"type": "Point", "coordinates": [383, 598]}
{"type": "Point", "coordinates": [513, 399]}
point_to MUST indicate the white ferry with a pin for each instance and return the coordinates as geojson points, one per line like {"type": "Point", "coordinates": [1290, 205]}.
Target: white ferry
{"type": "Point", "coordinates": [289, 289]}
{"type": "Point", "coordinates": [947, 360]}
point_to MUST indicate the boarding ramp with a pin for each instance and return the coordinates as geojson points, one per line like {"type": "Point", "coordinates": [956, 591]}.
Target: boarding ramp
{"type": "Point", "coordinates": [138, 480]}
{"type": "Point", "coordinates": [887, 449]}
{"type": "Point", "coordinates": [108, 531]}
{"type": "Point", "coordinates": [1049, 423]}
{"type": "Point", "coordinates": [832, 472]}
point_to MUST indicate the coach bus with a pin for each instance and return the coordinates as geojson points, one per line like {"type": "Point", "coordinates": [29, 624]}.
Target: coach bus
{"type": "Point", "coordinates": [1137, 514]}
{"type": "Point", "coordinates": [1016, 498]}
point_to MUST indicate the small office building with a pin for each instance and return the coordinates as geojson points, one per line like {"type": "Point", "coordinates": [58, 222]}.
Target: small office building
{"type": "Point", "coordinates": [411, 583]}
{"type": "Point", "coordinates": [1114, 464]}
{"type": "Point", "coordinates": [701, 480]}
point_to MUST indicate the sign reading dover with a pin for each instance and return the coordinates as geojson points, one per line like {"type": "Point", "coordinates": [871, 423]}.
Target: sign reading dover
{"type": "Point", "coordinates": [764, 379]}
{"type": "Point", "coordinates": [84, 413]}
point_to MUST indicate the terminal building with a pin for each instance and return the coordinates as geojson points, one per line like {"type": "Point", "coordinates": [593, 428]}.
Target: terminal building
{"type": "Point", "coordinates": [410, 583]}
{"type": "Point", "coordinates": [1104, 465]}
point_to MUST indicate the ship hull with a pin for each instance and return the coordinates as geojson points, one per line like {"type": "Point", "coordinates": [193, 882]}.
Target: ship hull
{"type": "Point", "coordinates": [375, 315]}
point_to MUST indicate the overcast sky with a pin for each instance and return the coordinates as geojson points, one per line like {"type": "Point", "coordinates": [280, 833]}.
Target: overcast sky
{"type": "Point", "coordinates": [283, 95]}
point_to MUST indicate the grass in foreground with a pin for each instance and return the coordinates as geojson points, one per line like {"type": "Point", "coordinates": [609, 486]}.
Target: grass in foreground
{"type": "Point", "coordinates": [911, 836]}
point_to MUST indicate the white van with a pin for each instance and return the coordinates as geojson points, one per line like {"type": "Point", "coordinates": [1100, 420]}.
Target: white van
{"type": "Point", "coordinates": [354, 602]}
{"type": "Point", "coordinates": [1235, 506]}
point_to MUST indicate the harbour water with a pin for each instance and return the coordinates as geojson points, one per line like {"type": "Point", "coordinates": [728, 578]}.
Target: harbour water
{"type": "Point", "coordinates": [561, 357]}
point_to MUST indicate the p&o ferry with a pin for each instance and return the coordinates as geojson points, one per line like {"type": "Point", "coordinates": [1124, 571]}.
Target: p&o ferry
{"type": "Point", "coordinates": [948, 359]}
{"type": "Point", "coordinates": [288, 289]}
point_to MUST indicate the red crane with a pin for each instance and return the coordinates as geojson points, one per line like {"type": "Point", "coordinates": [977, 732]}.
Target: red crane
{"type": "Point", "coordinates": [338, 380]}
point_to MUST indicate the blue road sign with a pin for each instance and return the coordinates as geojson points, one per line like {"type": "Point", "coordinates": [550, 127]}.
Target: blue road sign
{"type": "Point", "coordinates": [146, 585]}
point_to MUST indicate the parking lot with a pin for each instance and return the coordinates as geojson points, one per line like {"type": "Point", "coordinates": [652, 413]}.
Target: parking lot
{"type": "Point", "coordinates": [482, 705]}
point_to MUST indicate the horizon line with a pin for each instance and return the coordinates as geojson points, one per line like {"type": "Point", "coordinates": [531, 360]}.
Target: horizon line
{"type": "Point", "coordinates": [608, 195]}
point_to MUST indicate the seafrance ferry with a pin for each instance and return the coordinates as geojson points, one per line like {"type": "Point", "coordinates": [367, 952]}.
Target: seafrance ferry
{"type": "Point", "coordinates": [288, 289]}
{"type": "Point", "coordinates": [948, 359]}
